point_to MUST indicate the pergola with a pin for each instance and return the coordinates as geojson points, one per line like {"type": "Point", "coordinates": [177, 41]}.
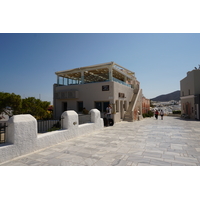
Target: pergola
{"type": "Point", "coordinates": [96, 73]}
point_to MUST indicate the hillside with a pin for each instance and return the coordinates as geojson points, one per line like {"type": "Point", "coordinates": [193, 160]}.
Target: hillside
{"type": "Point", "coordinates": [168, 97]}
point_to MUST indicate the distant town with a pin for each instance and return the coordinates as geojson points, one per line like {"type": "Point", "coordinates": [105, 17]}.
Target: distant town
{"type": "Point", "coordinates": [167, 102]}
{"type": "Point", "coordinates": [167, 107]}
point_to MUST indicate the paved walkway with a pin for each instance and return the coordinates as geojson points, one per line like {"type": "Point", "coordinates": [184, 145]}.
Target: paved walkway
{"type": "Point", "coordinates": [149, 142]}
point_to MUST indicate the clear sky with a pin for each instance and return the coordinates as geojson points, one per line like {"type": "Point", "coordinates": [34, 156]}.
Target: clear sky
{"type": "Point", "coordinates": [28, 62]}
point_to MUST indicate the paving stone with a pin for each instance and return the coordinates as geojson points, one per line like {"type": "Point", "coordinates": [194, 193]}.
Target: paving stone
{"type": "Point", "coordinates": [54, 162]}
{"type": "Point", "coordinates": [89, 161]}
{"type": "Point", "coordinates": [152, 154]}
{"type": "Point", "coordinates": [166, 156]}
{"type": "Point", "coordinates": [144, 164]}
{"type": "Point", "coordinates": [159, 163]}
{"type": "Point", "coordinates": [186, 159]}
{"type": "Point", "coordinates": [101, 163]}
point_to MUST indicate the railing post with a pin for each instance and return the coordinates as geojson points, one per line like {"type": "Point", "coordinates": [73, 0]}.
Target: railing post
{"type": "Point", "coordinates": [96, 119]}
{"type": "Point", "coordinates": [69, 120]}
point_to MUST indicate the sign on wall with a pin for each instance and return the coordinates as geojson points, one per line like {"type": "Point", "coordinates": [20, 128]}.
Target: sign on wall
{"type": "Point", "coordinates": [121, 95]}
{"type": "Point", "coordinates": [105, 87]}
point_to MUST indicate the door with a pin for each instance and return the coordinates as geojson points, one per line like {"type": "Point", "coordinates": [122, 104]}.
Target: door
{"type": "Point", "coordinates": [80, 106]}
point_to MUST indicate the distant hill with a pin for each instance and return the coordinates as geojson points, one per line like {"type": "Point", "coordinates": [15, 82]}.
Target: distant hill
{"type": "Point", "coordinates": [168, 97]}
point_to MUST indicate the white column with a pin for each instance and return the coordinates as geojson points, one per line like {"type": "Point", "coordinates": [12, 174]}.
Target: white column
{"type": "Point", "coordinates": [82, 77]}
{"type": "Point", "coordinates": [110, 72]}
{"type": "Point", "coordinates": [57, 79]}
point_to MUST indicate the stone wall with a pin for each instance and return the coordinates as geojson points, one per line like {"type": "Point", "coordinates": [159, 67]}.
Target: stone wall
{"type": "Point", "coordinates": [22, 137]}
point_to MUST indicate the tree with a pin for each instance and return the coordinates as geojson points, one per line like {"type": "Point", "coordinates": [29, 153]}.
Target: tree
{"type": "Point", "coordinates": [10, 104]}
{"type": "Point", "coordinates": [35, 107]}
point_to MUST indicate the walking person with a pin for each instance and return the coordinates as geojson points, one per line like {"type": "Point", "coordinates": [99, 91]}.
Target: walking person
{"type": "Point", "coordinates": [108, 111]}
{"type": "Point", "coordinates": [156, 114]}
{"type": "Point", "coordinates": [161, 114]}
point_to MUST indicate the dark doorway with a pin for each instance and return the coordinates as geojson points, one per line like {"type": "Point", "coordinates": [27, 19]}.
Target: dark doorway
{"type": "Point", "coordinates": [64, 106]}
{"type": "Point", "coordinates": [80, 106]}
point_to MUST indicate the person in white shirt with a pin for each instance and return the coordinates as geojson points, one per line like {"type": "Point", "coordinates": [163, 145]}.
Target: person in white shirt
{"type": "Point", "coordinates": [109, 111]}
{"type": "Point", "coordinates": [161, 114]}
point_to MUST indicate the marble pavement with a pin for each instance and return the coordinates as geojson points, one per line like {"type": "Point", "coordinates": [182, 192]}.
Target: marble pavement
{"type": "Point", "coordinates": [149, 142]}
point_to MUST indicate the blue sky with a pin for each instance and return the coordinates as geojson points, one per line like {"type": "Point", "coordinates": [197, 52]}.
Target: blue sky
{"type": "Point", "coordinates": [28, 62]}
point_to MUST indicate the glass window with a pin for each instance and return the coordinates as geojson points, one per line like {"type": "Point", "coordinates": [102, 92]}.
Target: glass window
{"type": "Point", "coordinates": [101, 106]}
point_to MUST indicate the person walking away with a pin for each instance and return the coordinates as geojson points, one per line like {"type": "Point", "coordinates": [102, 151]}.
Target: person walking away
{"type": "Point", "coordinates": [156, 114]}
{"type": "Point", "coordinates": [161, 114]}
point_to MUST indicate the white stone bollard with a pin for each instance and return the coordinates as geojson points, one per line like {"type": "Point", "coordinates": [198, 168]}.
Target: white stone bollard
{"type": "Point", "coordinates": [96, 119]}
{"type": "Point", "coordinates": [95, 115]}
{"type": "Point", "coordinates": [69, 120]}
{"type": "Point", "coordinates": [22, 132]}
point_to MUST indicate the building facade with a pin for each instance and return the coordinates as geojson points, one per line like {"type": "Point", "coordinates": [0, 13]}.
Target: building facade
{"type": "Point", "coordinates": [97, 86]}
{"type": "Point", "coordinates": [145, 105]}
{"type": "Point", "coordinates": [190, 94]}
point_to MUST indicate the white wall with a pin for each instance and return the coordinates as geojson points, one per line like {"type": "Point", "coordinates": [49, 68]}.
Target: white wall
{"type": "Point", "coordinates": [22, 136]}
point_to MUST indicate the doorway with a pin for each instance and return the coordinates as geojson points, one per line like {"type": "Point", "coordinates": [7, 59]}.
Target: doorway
{"type": "Point", "coordinates": [101, 105]}
{"type": "Point", "coordinates": [64, 106]}
{"type": "Point", "coordinates": [80, 106]}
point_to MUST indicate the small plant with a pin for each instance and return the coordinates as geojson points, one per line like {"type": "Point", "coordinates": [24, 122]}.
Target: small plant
{"type": "Point", "coordinates": [148, 114]}
{"type": "Point", "coordinates": [55, 127]}
{"type": "Point", "coordinates": [176, 112]}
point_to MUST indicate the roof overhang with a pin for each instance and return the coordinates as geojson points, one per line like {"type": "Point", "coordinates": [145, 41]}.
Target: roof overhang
{"type": "Point", "coordinates": [97, 70]}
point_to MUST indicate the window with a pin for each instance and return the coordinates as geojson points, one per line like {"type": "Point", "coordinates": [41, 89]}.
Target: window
{"type": "Point", "coordinates": [101, 106]}
{"type": "Point", "coordinates": [188, 92]}
{"type": "Point", "coordinates": [105, 87]}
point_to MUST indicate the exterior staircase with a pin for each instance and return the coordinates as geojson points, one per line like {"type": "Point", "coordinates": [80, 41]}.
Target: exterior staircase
{"type": "Point", "coordinates": [128, 116]}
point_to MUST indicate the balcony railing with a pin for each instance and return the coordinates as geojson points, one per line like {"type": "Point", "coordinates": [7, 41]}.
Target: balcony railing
{"type": "Point", "coordinates": [114, 79]}
{"type": "Point", "coordinates": [121, 82]}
